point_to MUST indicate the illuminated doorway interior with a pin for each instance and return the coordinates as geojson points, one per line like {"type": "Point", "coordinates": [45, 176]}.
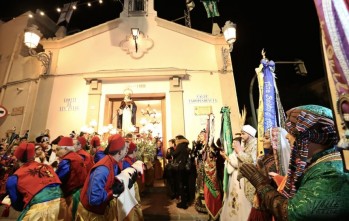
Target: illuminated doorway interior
{"type": "Point", "coordinates": [150, 115]}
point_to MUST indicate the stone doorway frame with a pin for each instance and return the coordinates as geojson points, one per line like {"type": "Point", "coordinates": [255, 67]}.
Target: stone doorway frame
{"type": "Point", "coordinates": [110, 108]}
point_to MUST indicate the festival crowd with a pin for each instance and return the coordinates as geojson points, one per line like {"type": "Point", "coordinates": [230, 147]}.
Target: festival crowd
{"type": "Point", "coordinates": [297, 175]}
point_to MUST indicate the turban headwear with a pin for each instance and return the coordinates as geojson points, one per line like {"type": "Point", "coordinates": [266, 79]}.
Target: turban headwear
{"type": "Point", "coordinates": [308, 124]}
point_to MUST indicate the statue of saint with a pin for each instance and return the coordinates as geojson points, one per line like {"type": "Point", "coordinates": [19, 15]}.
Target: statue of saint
{"type": "Point", "coordinates": [126, 114]}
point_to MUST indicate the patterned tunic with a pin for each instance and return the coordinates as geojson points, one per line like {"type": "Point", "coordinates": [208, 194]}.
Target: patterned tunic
{"type": "Point", "coordinates": [322, 193]}
{"type": "Point", "coordinates": [249, 155]}
{"type": "Point", "coordinates": [236, 206]}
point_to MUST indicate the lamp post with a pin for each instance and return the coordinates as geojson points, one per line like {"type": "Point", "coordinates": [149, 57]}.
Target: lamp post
{"type": "Point", "coordinates": [303, 73]}
{"type": "Point", "coordinates": [32, 37]}
{"type": "Point", "coordinates": [229, 32]}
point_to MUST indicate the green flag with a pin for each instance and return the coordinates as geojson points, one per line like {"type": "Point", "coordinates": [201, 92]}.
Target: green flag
{"type": "Point", "coordinates": [211, 8]}
{"type": "Point", "coordinates": [226, 137]}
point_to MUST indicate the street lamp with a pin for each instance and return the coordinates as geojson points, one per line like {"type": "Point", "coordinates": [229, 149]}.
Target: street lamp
{"type": "Point", "coordinates": [229, 32]}
{"type": "Point", "coordinates": [32, 36]}
{"type": "Point", "coordinates": [302, 71]}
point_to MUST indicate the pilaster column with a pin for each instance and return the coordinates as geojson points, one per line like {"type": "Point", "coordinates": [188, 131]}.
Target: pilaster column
{"type": "Point", "coordinates": [94, 101]}
{"type": "Point", "coordinates": [177, 106]}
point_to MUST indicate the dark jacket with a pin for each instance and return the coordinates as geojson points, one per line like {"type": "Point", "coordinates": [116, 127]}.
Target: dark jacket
{"type": "Point", "coordinates": [169, 154]}
{"type": "Point", "coordinates": [181, 153]}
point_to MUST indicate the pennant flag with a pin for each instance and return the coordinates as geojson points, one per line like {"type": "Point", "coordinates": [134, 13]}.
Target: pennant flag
{"type": "Point", "coordinates": [190, 4]}
{"type": "Point", "coordinates": [260, 126]}
{"type": "Point", "coordinates": [211, 8]}
{"type": "Point", "coordinates": [226, 136]}
{"type": "Point", "coordinates": [270, 112]}
{"type": "Point", "coordinates": [67, 12]}
{"type": "Point", "coordinates": [212, 189]}
{"type": "Point", "coordinates": [269, 95]}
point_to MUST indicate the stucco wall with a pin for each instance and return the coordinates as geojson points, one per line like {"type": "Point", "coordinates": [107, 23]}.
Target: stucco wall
{"type": "Point", "coordinates": [96, 54]}
{"type": "Point", "coordinates": [68, 105]}
{"type": "Point", "coordinates": [102, 52]}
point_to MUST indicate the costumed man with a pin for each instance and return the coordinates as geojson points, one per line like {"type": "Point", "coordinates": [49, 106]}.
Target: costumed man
{"type": "Point", "coordinates": [247, 153]}
{"type": "Point", "coordinates": [72, 172]}
{"type": "Point", "coordinates": [97, 199]}
{"type": "Point", "coordinates": [54, 159]}
{"type": "Point", "coordinates": [130, 158]}
{"type": "Point", "coordinates": [8, 166]}
{"type": "Point", "coordinates": [273, 164]}
{"type": "Point", "coordinates": [126, 115]}
{"type": "Point", "coordinates": [88, 159]}
{"type": "Point", "coordinates": [40, 155]}
{"type": "Point", "coordinates": [135, 214]}
{"type": "Point", "coordinates": [95, 143]}
{"type": "Point", "coordinates": [213, 191]}
{"type": "Point", "coordinates": [316, 187]}
{"type": "Point", "coordinates": [236, 206]}
{"type": "Point", "coordinates": [199, 149]}
{"type": "Point", "coordinates": [34, 189]}
{"type": "Point", "coordinates": [99, 154]}
{"type": "Point", "coordinates": [85, 135]}
{"type": "Point", "coordinates": [44, 142]}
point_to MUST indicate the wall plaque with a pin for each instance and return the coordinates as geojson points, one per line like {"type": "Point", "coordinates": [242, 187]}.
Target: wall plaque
{"type": "Point", "coordinates": [17, 111]}
{"type": "Point", "coordinates": [202, 110]}
{"type": "Point", "coordinates": [70, 104]}
{"type": "Point", "coordinates": [202, 98]}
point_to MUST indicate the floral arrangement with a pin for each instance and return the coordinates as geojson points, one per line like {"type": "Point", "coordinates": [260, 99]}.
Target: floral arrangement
{"type": "Point", "coordinates": [146, 149]}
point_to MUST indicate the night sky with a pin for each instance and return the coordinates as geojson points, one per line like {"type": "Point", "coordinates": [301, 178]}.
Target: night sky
{"type": "Point", "coordinates": [287, 30]}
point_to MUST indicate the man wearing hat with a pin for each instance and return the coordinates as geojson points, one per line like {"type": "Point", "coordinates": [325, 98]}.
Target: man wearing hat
{"type": "Point", "coordinates": [34, 189]}
{"type": "Point", "coordinates": [72, 172]}
{"type": "Point", "coordinates": [246, 152]}
{"type": "Point", "coordinates": [95, 143]}
{"type": "Point", "coordinates": [97, 195]}
{"type": "Point", "coordinates": [88, 159]}
{"type": "Point", "coordinates": [130, 158]}
{"type": "Point", "coordinates": [317, 187]}
{"type": "Point", "coordinates": [99, 154]}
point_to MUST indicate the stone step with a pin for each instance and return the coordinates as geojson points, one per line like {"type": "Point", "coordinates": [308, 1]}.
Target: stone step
{"type": "Point", "coordinates": [157, 206]}
{"type": "Point", "coordinates": [153, 189]}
